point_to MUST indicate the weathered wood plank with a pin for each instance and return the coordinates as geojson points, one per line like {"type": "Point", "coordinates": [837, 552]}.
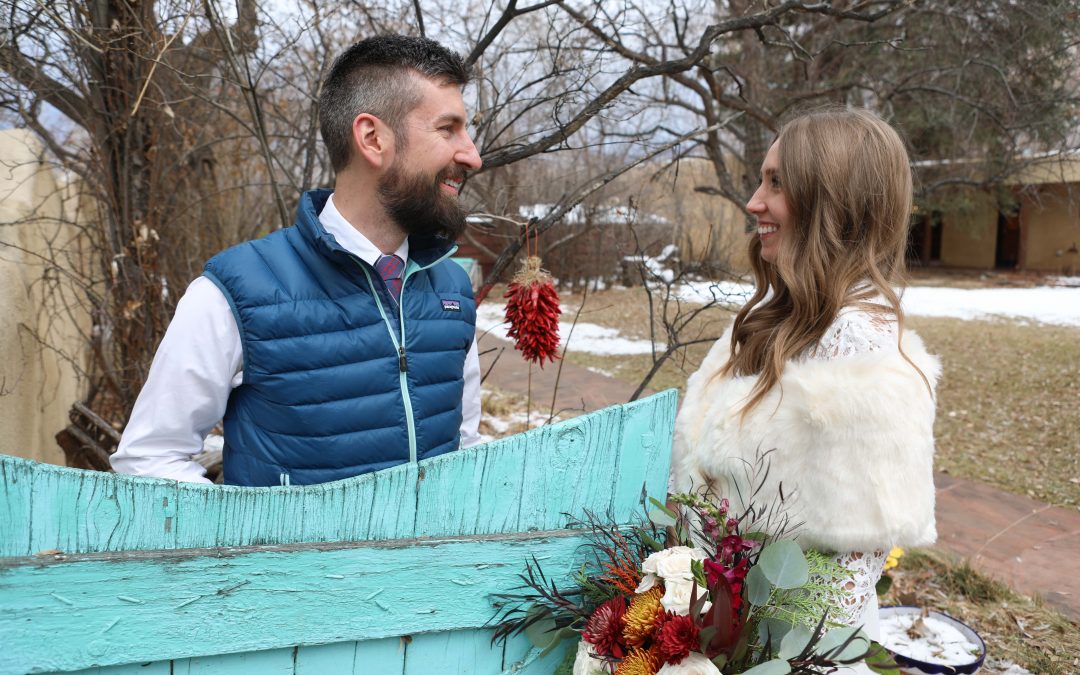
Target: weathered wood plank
{"type": "Point", "coordinates": [154, 668]}
{"type": "Point", "coordinates": [16, 498]}
{"type": "Point", "coordinates": [144, 606]}
{"type": "Point", "coordinates": [526, 482]}
{"type": "Point", "coordinates": [468, 652]}
{"type": "Point", "coordinates": [378, 656]}
{"type": "Point", "coordinates": [91, 511]}
{"type": "Point", "coordinates": [645, 461]}
{"type": "Point", "coordinates": [267, 662]}
{"type": "Point", "coordinates": [565, 464]}
{"type": "Point", "coordinates": [321, 659]}
{"type": "Point", "coordinates": [520, 657]}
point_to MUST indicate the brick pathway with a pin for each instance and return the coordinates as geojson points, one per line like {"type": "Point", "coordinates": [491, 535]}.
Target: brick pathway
{"type": "Point", "coordinates": [1031, 546]}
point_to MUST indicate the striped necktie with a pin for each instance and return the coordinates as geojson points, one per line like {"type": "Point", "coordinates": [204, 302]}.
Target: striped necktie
{"type": "Point", "coordinates": [390, 268]}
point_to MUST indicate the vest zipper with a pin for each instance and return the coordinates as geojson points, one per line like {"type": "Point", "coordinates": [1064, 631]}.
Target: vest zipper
{"type": "Point", "coordinates": [403, 383]}
{"type": "Point", "coordinates": [403, 362]}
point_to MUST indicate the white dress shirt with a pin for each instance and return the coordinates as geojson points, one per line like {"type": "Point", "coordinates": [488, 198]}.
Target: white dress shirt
{"type": "Point", "coordinates": [200, 361]}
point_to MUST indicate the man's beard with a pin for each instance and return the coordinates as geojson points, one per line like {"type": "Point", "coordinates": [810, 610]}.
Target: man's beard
{"type": "Point", "coordinates": [417, 204]}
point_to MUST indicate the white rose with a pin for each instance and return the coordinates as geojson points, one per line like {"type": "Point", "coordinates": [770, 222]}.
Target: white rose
{"type": "Point", "coordinates": [694, 664]}
{"type": "Point", "coordinates": [587, 663]}
{"type": "Point", "coordinates": [669, 564]}
{"type": "Point", "coordinates": [677, 596]}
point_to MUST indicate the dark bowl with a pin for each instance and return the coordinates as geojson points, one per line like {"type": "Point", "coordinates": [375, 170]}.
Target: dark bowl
{"type": "Point", "coordinates": [916, 667]}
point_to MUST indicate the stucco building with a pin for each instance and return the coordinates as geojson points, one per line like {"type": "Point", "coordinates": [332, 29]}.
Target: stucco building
{"type": "Point", "coordinates": [1039, 231]}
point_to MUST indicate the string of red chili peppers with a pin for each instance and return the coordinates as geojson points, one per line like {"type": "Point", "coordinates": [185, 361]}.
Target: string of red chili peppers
{"type": "Point", "coordinates": [532, 308]}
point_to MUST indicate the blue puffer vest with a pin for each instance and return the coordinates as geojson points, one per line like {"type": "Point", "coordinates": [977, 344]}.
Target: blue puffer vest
{"type": "Point", "coordinates": [336, 383]}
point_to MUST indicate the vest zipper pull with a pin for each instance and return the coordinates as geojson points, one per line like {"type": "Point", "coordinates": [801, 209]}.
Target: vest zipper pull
{"type": "Point", "coordinates": [402, 364]}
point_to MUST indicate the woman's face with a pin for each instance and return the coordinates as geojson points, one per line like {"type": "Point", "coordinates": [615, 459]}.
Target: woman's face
{"type": "Point", "coordinates": [769, 205]}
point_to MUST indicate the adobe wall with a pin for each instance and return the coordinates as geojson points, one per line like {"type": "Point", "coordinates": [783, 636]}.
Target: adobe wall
{"type": "Point", "coordinates": [1051, 222]}
{"type": "Point", "coordinates": [38, 303]}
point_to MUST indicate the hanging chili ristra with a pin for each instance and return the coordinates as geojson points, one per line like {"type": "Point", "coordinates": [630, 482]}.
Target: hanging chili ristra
{"type": "Point", "coordinates": [532, 310]}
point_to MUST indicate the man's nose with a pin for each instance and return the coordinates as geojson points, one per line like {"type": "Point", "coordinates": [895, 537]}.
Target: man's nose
{"type": "Point", "coordinates": [468, 156]}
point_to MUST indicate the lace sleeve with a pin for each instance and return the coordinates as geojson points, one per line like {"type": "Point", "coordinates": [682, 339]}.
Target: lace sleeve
{"type": "Point", "coordinates": [859, 583]}
{"type": "Point", "coordinates": [855, 331]}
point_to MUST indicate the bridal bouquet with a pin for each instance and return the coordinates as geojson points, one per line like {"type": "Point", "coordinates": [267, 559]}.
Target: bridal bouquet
{"type": "Point", "coordinates": [724, 598]}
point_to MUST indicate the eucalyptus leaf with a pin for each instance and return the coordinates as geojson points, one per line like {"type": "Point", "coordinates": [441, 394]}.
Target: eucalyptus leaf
{"type": "Point", "coordinates": [774, 630]}
{"type": "Point", "coordinates": [758, 587]}
{"type": "Point", "coordinates": [542, 631]}
{"type": "Point", "coordinates": [755, 536]}
{"type": "Point", "coordinates": [661, 506]}
{"type": "Point", "coordinates": [650, 542]}
{"type": "Point", "coordinates": [795, 641]}
{"type": "Point", "coordinates": [560, 635]}
{"type": "Point", "coordinates": [774, 667]}
{"type": "Point", "coordinates": [784, 564]}
{"type": "Point", "coordinates": [880, 661]}
{"type": "Point", "coordinates": [661, 519]}
{"type": "Point", "coordinates": [838, 636]}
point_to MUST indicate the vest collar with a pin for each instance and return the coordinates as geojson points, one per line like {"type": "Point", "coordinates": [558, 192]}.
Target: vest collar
{"type": "Point", "coordinates": [423, 250]}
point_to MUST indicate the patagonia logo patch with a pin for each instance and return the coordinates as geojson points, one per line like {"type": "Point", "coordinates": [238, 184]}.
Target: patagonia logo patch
{"type": "Point", "coordinates": [451, 305]}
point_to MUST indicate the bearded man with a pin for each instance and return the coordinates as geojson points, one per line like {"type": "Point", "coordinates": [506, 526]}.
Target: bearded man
{"type": "Point", "coordinates": [345, 343]}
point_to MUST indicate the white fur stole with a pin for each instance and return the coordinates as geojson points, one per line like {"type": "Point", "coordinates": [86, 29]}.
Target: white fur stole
{"type": "Point", "coordinates": [851, 439]}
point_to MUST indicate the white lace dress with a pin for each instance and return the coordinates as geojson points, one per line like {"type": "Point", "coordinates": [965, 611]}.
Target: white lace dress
{"type": "Point", "coordinates": [857, 331]}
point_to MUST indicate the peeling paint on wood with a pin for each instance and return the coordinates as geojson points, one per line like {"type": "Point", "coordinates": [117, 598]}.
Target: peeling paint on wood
{"type": "Point", "coordinates": [330, 578]}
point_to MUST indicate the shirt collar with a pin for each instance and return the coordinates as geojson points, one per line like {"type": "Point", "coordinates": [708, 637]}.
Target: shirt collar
{"type": "Point", "coordinates": [351, 239]}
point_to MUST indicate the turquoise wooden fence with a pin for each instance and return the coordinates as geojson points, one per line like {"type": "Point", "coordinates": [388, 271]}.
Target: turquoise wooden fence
{"type": "Point", "coordinates": [384, 573]}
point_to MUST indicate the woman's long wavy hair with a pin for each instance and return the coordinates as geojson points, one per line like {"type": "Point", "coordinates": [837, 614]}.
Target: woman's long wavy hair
{"type": "Point", "coordinates": [847, 180]}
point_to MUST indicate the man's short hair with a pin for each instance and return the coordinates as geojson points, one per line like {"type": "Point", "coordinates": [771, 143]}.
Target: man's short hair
{"type": "Point", "coordinates": [375, 76]}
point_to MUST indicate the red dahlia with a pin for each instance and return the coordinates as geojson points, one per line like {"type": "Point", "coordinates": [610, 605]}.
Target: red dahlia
{"type": "Point", "coordinates": [677, 637]}
{"type": "Point", "coordinates": [604, 628]}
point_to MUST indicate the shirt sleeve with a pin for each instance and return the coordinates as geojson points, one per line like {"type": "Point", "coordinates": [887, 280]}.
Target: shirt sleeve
{"type": "Point", "coordinates": [197, 364]}
{"type": "Point", "coordinates": [858, 584]}
{"type": "Point", "coordinates": [470, 399]}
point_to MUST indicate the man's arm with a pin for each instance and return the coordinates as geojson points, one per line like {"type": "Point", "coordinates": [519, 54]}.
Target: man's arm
{"type": "Point", "coordinates": [470, 399]}
{"type": "Point", "coordinates": [197, 364]}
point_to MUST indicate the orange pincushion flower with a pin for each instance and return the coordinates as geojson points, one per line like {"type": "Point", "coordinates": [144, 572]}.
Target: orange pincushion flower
{"type": "Point", "coordinates": [643, 616]}
{"type": "Point", "coordinates": [623, 568]}
{"type": "Point", "coordinates": [639, 662]}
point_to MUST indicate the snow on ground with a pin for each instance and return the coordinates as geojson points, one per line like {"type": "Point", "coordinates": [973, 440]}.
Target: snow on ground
{"type": "Point", "coordinates": [1058, 304]}
{"type": "Point", "coordinates": [1048, 304]}
{"type": "Point", "coordinates": [588, 337]}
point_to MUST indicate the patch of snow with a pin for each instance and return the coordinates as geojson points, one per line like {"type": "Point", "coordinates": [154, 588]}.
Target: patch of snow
{"type": "Point", "coordinates": [600, 371]}
{"type": "Point", "coordinates": [728, 293]}
{"type": "Point", "coordinates": [1058, 305]}
{"type": "Point", "coordinates": [604, 215]}
{"type": "Point", "coordinates": [1069, 282]}
{"type": "Point", "coordinates": [1048, 304]}
{"type": "Point", "coordinates": [588, 337]}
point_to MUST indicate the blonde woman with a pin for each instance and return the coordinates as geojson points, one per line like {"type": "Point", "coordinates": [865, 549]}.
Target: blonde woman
{"type": "Point", "coordinates": [817, 367]}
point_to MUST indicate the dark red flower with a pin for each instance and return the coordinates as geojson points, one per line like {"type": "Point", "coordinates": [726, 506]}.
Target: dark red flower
{"type": "Point", "coordinates": [604, 628]}
{"type": "Point", "coordinates": [710, 527]}
{"type": "Point", "coordinates": [677, 637]}
{"type": "Point", "coordinates": [732, 545]}
{"type": "Point", "coordinates": [734, 575]}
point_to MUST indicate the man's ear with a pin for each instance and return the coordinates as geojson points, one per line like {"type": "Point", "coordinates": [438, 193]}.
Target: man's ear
{"type": "Point", "coordinates": [373, 140]}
